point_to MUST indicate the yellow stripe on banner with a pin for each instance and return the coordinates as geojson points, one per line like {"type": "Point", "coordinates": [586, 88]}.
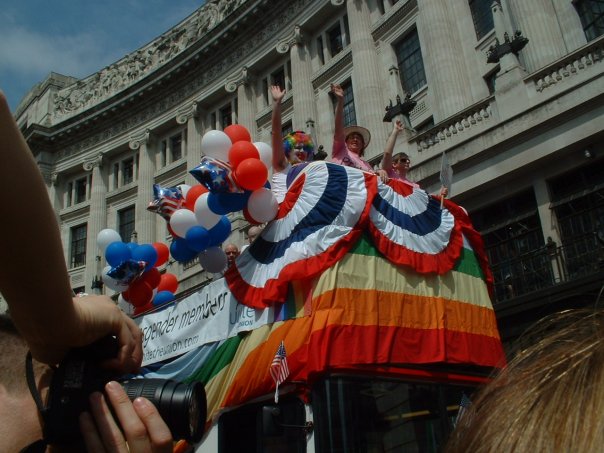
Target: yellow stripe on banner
{"type": "Point", "coordinates": [363, 272]}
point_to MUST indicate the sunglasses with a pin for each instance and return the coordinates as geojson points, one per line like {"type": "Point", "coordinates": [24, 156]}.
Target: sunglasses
{"type": "Point", "coordinates": [396, 161]}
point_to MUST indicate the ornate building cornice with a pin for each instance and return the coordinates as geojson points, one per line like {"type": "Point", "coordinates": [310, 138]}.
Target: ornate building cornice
{"type": "Point", "coordinates": [142, 138]}
{"type": "Point", "coordinates": [190, 111]}
{"type": "Point", "coordinates": [135, 66]}
{"type": "Point", "coordinates": [296, 37]}
{"type": "Point", "coordinates": [241, 77]}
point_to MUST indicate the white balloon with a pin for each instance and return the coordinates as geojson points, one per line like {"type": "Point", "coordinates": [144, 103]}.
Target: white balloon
{"type": "Point", "coordinates": [266, 154]}
{"type": "Point", "coordinates": [111, 282]}
{"type": "Point", "coordinates": [204, 215]}
{"type": "Point", "coordinates": [213, 260]}
{"type": "Point", "coordinates": [262, 205]}
{"type": "Point", "coordinates": [106, 237]}
{"type": "Point", "coordinates": [184, 188]}
{"type": "Point", "coordinates": [216, 144]}
{"type": "Point", "coordinates": [181, 220]}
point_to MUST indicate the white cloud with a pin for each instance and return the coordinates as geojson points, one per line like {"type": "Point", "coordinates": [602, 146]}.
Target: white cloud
{"type": "Point", "coordinates": [29, 52]}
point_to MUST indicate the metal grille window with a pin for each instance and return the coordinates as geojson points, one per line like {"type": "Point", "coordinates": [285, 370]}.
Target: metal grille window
{"type": "Point", "coordinates": [591, 13]}
{"type": "Point", "coordinates": [514, 243]}
{"type": "Point", "coordinates": [78, 246]}
{"type": "Point", "coordinates": [410, 63]}
{"type": "Point", "coordinates": [482, 15]}
{"type": "Point", "coordinates": [80, 190]}
{"type": "Point", "coordinates": [278, 78]}
{"type": "Point", "coordinates": [126, 223]}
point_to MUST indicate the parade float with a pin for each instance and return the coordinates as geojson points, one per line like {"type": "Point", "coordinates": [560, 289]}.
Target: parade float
{"type": "Point", "coordinates": [356, 322]}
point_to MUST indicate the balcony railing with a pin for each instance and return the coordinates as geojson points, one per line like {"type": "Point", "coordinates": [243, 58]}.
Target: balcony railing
{"type": "Point", "coordinates": [548, 266]}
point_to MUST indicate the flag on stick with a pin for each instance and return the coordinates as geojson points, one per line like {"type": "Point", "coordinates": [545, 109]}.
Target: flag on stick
{"type": "Point", "coordinates": [279, 369]}
{"type": "Point", "coordinates": [446, 175]}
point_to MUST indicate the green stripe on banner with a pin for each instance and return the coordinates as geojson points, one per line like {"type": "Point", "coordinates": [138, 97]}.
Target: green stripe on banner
{"type": "Point", "coordinates": [220, 359]}
{"type": "Point", "coordinates": [468, 264]}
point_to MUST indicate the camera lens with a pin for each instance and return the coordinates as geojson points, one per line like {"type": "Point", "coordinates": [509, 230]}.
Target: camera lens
{"type": "Point", "coordinates": [182, 406]}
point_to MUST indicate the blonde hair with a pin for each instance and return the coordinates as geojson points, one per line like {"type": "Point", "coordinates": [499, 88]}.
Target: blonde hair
{"type": "Point", "coordinates": [550, 397]}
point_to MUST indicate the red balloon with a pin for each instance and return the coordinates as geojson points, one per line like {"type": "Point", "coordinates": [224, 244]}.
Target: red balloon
{"type": "Point", "coordinates": [152, 277]}
{"type": "Point", "coordinates": [242, 150]}
{"type": "Point", "coordinates": [237, 132]}
{"type": "Point", "coordinates": [192, 196]}
{"type": "Point", "coordinates": [163, 253]}
{"type": "Point", "coordinates": [168, 282]}
{"type": "Point", "coordinates": [251, 174]}
{"type": "Point", "coordinates": [143, 309]}
{"type": "Point", "coordinates": [171, 231]}
{"type": "Point", "coordinates": [139, 293]}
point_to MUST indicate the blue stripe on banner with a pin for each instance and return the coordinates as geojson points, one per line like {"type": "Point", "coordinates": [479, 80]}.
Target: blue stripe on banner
{"type": "Point", "coordinates": [323, 213]}
{"type": "Point", "coordinates": [421, 223]}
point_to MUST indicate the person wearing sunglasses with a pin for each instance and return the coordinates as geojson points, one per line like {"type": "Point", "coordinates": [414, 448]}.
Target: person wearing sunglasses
{"type": "Point", "coordinates": [398, 165]}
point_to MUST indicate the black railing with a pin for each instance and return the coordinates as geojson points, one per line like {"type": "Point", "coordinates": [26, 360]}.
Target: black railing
{"type": "Point", "coordinates": [548, 266]}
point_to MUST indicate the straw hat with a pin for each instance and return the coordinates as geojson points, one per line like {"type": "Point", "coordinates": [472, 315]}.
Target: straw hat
{"type": "Point", "coordinates": [363, 132]}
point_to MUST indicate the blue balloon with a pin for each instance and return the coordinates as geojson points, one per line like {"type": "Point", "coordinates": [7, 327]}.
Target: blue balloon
{"type": "Point", "coordinates": [216, 205]}
{"type": "Point", "coordinates": [132, 246]}
{"type": "Point", "coordinates": [163, 297]}
{"type": "Point", "coordinates": [198, 238]}
{"type": "Point", "coordinates": [146, 253]}
{"type": "Point", "coordinates": [116, 253]}
{"type": "Point", "coordinates": [220, 232]}
{"type": "Point", "coordinates": [180, 251]}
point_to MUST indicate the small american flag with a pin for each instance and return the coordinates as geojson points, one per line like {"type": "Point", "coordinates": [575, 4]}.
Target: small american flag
{"type": "Point", "coordinates": [279, 369]}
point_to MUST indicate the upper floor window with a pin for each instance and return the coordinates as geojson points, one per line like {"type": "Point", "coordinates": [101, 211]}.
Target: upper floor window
{"type": "Point", "coordinates": [410, 62]}
{"type": "Point", "coordinates": [591, 13]}
{"type": "Point", "coordinates": [173, 148]}
{"type": "Point", "coordinates": [226, 116]}
{"type": "Point", "coordinates": [125, 171]}
{"type": "Point", "coordinates": [78, 190]}
{"type": "Point", "coordinates": [78, 246]}
{"type": "Point", "coordinates": [333, 40]}
{"type": "Point", "coordinates": [125, 219]}
{"type": "Point", "coordinates": [482, 15]}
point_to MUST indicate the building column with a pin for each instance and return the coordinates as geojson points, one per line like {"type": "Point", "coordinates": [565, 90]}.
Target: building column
{"type": "Point", "coordinates": [97, 221]}
{"type": "Point", "coordinates": [190, 116]}
{"type": "Point", "coordinates": [572, 28]}
{"type": "Point", "coordinates": [145, 222]}
{"type": "Point", "coordinates": [241, 82]}
{"type": "Point", "coordinates": [536, 19]}
{"type": "Point", "coordinates": [303, 92]}
{"type": "Point", "coordinates": [326, 118]}
{"type": "Point", "coordinates": [548, 227]}
{"type": "Point", "coordinates": [510, 90]}
{"type": "Point", "coordinates": [443, 57]}
{"type": "Point", "coordinates": [366, 78]}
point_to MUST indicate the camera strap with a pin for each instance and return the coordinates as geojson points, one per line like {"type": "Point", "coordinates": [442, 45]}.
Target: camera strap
{"type": "Point", "coordinates": [39, 445]}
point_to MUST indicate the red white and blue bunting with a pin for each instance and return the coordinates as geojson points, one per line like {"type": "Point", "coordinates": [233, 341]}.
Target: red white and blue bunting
{"type": "Point", "coordinates": [326, 209]}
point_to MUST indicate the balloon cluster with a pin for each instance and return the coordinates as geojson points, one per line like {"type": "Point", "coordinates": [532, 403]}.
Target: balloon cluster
{"type": "Point", "coordinates": [235, 172]}
{"type": "Point", "coordinates": [132, 270]}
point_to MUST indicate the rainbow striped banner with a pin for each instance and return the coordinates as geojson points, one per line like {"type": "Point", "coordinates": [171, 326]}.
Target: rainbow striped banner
{"type": "Point", "coordinates": [363, 314]}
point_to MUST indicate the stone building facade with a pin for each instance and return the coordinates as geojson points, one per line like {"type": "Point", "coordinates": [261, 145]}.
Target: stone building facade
{"type": "Point", "coordinates": [520, 122]}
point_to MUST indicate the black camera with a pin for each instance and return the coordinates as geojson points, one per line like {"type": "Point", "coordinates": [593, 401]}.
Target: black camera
{"type": "Point", "coordinates": [182, 406]}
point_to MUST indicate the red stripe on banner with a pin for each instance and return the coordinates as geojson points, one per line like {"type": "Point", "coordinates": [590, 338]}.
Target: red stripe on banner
{"type": "Point", "coordinates": [360, 348]}
{"type": "Point", "coordinates": [423, 263]}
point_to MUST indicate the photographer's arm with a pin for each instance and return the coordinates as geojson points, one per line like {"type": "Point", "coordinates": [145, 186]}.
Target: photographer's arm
{"type": "Point", "coordinates": [143, 428]}
{"type": "Point", "coordinates": [34, 279]}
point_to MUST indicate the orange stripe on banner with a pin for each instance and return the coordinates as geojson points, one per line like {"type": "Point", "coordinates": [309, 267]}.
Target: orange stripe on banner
{"type": "Point", "coordinates": [350, 306]}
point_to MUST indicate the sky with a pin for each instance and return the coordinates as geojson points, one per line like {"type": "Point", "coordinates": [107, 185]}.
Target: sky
{"type": "Point", "coordinates": [76, 37]}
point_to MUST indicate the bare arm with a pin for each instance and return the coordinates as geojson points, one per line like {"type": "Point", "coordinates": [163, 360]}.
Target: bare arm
{"type": "Point", "coordinates": [339, 113]}
{"type": "Point", "coordinates": [34, 279]}
{"type": "Point", "coordinates": [279, 160]}
{"type": "Point", "coordinates": [397, 127]}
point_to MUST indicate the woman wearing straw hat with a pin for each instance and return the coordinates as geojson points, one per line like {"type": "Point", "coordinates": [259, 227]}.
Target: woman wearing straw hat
{"type": "Point", "coordinates": [349, 143]}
